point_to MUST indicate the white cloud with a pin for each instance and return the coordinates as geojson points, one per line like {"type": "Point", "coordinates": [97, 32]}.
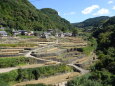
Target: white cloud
{"type": "Point", "coordinates": [90, 9]}
{"type": "Point", "coordinates": [70, 13]}
{"type": "Point", "coordinates": [110, 2]}
{"type": "Point", "coordinates": [102, 11]}
{"type": "Point", "coordinates": [113, 8]}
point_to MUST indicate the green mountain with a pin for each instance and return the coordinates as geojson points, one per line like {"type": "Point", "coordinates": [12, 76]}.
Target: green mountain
{"type": "Point", "coordinates": [57, 20]}
{"type": "Point", "coordinates": [92, 22]}
{"type": "Point", "coordinates": [21, 14]}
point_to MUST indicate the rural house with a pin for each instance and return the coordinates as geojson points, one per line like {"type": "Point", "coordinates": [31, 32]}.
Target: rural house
{"type": "Point", "coordinates": [3, 33]}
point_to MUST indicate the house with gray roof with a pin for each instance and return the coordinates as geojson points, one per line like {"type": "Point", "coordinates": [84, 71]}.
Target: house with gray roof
{"type": "Point", "coordinates": [3, 33]}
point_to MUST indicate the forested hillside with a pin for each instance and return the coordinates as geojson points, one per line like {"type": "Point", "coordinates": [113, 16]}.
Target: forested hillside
{"type": "Point", "coordinates": [92, 22]}
{"type": "Point", "coordinates": [21, 14]}
{"type": "Point", "coordinates": [106, 34]}
{"type": "Point", "coordinates": [63, 24]}
{"type": "Point", "coordinates": [104, 69]}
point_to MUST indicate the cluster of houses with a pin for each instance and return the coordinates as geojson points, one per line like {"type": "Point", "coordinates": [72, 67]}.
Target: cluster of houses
{"type": "Point", "coordinates": [50, 33]}
{"type": "Point", "coordinates": [41, 34]}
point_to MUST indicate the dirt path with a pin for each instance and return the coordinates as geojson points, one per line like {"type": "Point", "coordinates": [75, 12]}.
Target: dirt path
{"type": "Point", "coordinates": [51, 80]}
{"type": "Point", "coordinates": [4, 70]}
{"type": "Point", "coordinates": [81, 70]}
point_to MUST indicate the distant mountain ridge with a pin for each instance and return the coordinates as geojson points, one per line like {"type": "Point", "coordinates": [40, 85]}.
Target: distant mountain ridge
{"type": "Point", "coordinates": [92, 22]}
{"type": "Point", "coordinates": [21, 14]}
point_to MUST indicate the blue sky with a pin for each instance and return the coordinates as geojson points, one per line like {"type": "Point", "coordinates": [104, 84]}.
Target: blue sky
{"type": "Point", "coordinates": [78, 10]}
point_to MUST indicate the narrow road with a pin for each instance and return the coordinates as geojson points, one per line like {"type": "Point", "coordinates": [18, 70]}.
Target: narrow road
{"type": "Point", "coordinates": [82, 71]}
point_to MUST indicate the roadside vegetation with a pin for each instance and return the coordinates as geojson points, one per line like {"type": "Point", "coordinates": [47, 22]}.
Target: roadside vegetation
{"type": "Point", "coordinates": [33, 73]}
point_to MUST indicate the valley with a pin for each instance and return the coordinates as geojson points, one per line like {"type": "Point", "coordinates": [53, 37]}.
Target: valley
{"type": "Point", "coordinates": [73, 45]}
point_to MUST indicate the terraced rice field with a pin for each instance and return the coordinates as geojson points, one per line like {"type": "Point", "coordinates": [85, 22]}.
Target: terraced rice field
{"type": "Point", "coordinates": [44, 52]}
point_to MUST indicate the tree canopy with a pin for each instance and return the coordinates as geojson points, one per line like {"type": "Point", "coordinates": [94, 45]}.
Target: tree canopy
{"type": "Point", "coordinates": [21, 14]}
